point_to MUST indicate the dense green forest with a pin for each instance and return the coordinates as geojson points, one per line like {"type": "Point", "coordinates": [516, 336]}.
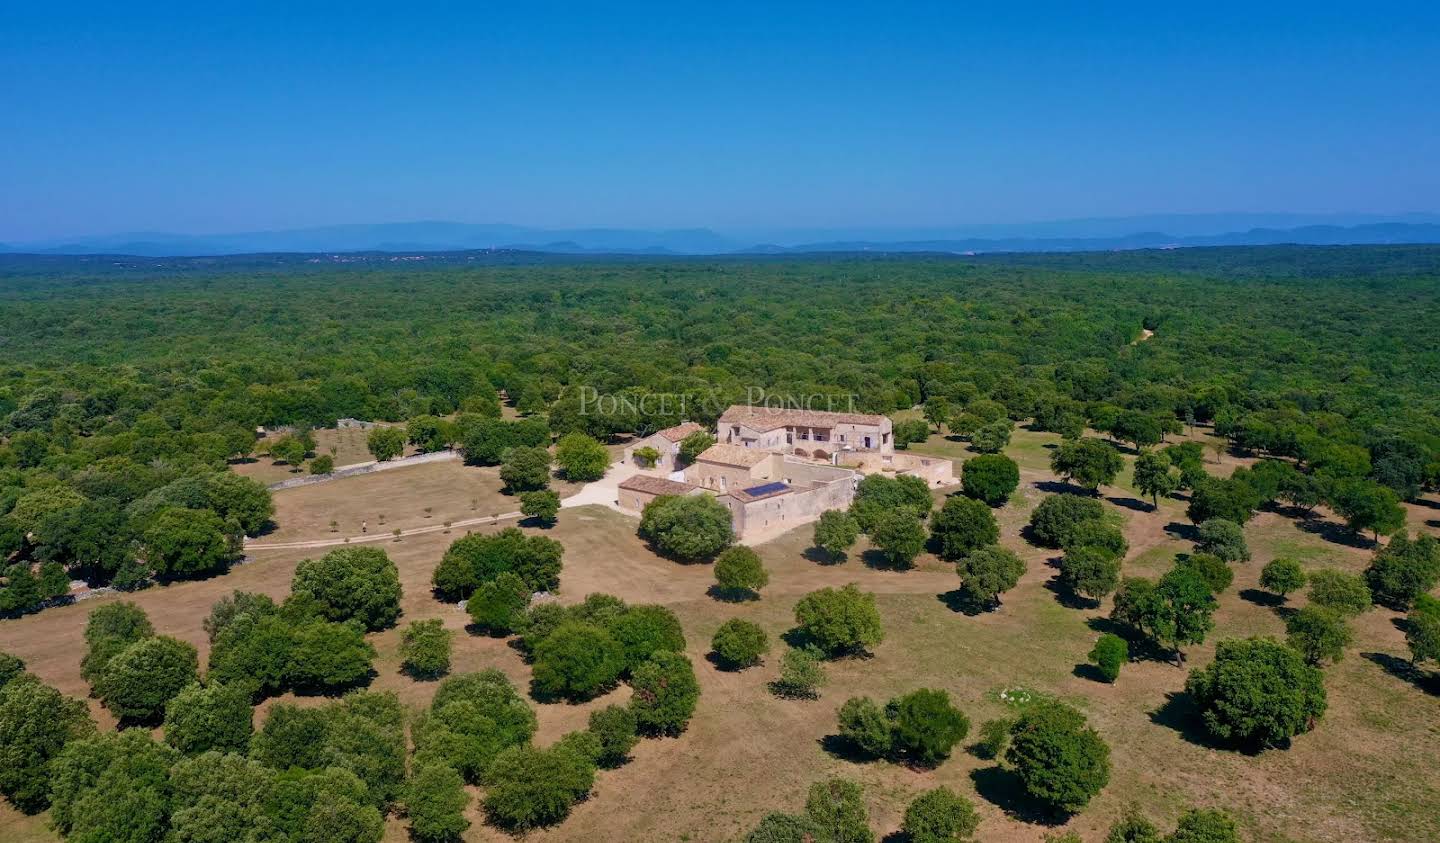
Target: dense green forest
{"type": "Point", "coordinates": [126, 384]}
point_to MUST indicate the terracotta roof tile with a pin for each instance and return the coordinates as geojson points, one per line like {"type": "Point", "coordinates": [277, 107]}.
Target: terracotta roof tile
{"type": "Point", "coordinates": [653, 485]}
{"type": "Point", "coordinates": [680, 431]}
{"type": "Point", "coordinates": [733, 455]}
{"type": "Point", "coordinates": [770, 418]}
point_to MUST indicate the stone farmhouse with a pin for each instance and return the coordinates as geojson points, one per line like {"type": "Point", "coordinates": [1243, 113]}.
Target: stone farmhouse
{"type": "Point", "coordinates": [776, 470]}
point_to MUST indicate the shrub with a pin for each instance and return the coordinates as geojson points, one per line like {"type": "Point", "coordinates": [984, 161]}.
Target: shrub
{"type": "Point", "coordinates": [435, 801]}
{"type": "Point", "coordinates": [352, 583]}
{"type": "Point", "coordinates": [1282, 576]}
{"type": "Point", "coordinates": [1257, 692]}
{"type": "Point", "coordinates": [784, 828]}
{"type": "Point", "coordinates": [1057, 516]}
{"type": "Point", "coordinates": [1061, 761]}
{"type": "Point", "coordinates": [1319, 634]}
{"type": "Point", "coordinates": [581, 458]}
{"type": "Point", "coordinates": [646, 457]}
{"type": "Point", "coordinates": [1090, 571]}
{"type": "Point", "coordinates": [940, 816]}
{"type": "Point", "coordinates": [994, 738]}
{"type": "Point", "coordinates": [961, 526]}
{"type": "Point", "coordinates": [841, 620]}
{"type": "Point", "coordinates": [864, 724]}
{"type": "Point", "coordinates": [425, 649]}
{"type": "Point", "coordinates": [925, 725]}
{"type": "Point", "coordinates": [532, 787]}
{"type": "Point", "coordinates": [542, 505]}
{"type": "Point", "coordinates": [1109, 655]}
{"type": "Point", "coordinates": [1345, 593]}
{"type": "Point", "coordinates": [1422, 630]}
{"type": "Point", "coordinates": [205, 717]}
{"type": "Point", "coordinates": [738, 570]}
{"type": "Point", "coordinates": [739, 644]}
{"type": "Point", "coordinates": [836, 807]}
{"type": "Point", "coordinates": [577, 661]}
{"type": "Point", "coordinates": [898, 537]}
{"type": "Point", "coordinates": [1133, 827]}
{"type": "Point", "coordinates": [498, 605]}
{"type": "Point", "coordinates": [690, 528]}
{"type": "Point", "coordinates": [836, 532]}
{"type": "Point", "coordinates": [385, 443]}
{"type": "Point", "coordinates": [802, 674]}
{"type": "Point", "coordinates": [693, 445]}
{"type": "Point", "coordinates": [1102, 534]}
{"type": "Point", "coordinates": [1202, 826]}
{"type": "Point", "coordinates": [991, 478]}
{"type": "Point", "coordinates": [665, 693]}
{"type": "Point", "coordinates": [988, 572]}
{"type": "Point", "coordinates": [1224, 539]}
{"type": "Point", "coordinates": [615, 727]}
{"type": "Point", "coordinates": [525, 469]}
{"type": "Point", "coordinates": [323, 464]}
{"type": "Point", "coordinates": [143, 677]}
{"type": "Point", "coordinates": [643, 630]}
{"type": "Point", "coordinates": [1404, 569]}
{"type": "Point", "coordinates": [1210, 568]}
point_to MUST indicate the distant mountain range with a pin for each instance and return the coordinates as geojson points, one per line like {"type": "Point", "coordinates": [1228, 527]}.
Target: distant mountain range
{"type": "Point", "coordinates": [1147, 232]}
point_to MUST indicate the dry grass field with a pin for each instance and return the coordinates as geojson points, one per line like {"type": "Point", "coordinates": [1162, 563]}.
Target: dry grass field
{"type": "Point", "coordinates": [1366, 773]}
{"type": "Point", "coordinates": [346, 446]}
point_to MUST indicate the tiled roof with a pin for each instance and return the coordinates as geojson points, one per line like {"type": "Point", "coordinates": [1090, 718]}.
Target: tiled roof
{"type": "Point", "coordinates": [680, 431]}
{"type": "Point", "coordinates": [768, 418]}
{"type": "Point", "coordinates": [733, 455]}
{"type": "Point", "coordinates": [653, 485]}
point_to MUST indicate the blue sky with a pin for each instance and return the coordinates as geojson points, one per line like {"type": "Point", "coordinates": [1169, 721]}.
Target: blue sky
{"type": "Point", "coordinates": [141, 117]}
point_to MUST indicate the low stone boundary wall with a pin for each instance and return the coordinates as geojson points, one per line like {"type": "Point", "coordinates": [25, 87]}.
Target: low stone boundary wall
{"type": "Point", "coordinates": [364, 468]}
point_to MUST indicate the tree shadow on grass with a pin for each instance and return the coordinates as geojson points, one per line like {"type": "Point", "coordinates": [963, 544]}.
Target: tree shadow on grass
{"type": "Point", "coordinates": [844, 749]}
{"type": "Point", "coordinates": [1180, 714]}
{"type": "Point", "coordinates": [1425, 680]}
{"type": "Point", "coordinates": [958, 601]}
{"type": "Point", "coordinates": [876, 560]}
{"type": "Point", "coordinates": [1004, 789]}
{"type": "Point", "coordinates": [1067, 598]}
{"type": "Point", "coordinates": [1060, 487]}
{"type": "Point", "coordinates": [1142, 649]}
{"type": "Point", "coordinates": [1133, 504]}
{"type": "Point", "coordinates": [1185, 532]}
{"type": "Point", "coordinates": [820, 556]}
{"type": "Point", "coordinates": [1086, 670]}
{"type": "Point", "coordinates": [732, 595]}
{"type": "Point", "coordinates": [1259, 597]}
{"type": "Point", "coordinates": [1433, 522]}
{"type": "Point", "coordinates": [1336, 533]}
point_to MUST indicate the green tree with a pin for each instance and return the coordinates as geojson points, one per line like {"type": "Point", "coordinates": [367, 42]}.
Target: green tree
{"type": "Point", "coordinates": [899, 537]}
{"type": "Point", "coordinates": [1210, 568]}
{"type": "Point", "coordinates": [865, 725]}
{"type": "Point", "coordinates": [429, 433]}
{"type": "Point", "coordinates": [327, 657]}
{"type": "Point", "coordinates": [1205, 826]}
{"type": "Point", "coordinates": [581, 458]}
{"type": "Point", "coordinates": [1061, 761]}
{"type": "Point", "coordinates": [577, 661]}
{"type": "Point", "coordinates": [1282, 576]}
{"type": "Point", "coordinates": [642, 630]}
{"type": "Point", "coordinates": [1057, 517]}
{"type": "Point", "coordinates": [1088, 463]}
{"type": "Point", "coordinates": [926, 726]}
{"type": "Point", "coordinates": [472, 718]}
{"type": "Point", "coordinates": [435, 800]}
{"type": "Point", "coordinates": [836, 532]}
{"type": "Point", "coordinates": [840, 621]}
{"type": "Point", "coordinates": [877, 496]}
{"type": "Point", "coordinates": [289, 450]}
{"type": "Point", "coordinates": [1422, 630]}
{"type": "Point", "coordinates": [615, 727]}
{"type": "Point", "coordinates": [1224, 539]}
{"type": "Point", "coordinates": [186, 543]}
{"type": "Point", "coordinates": [1176, 611]}
{"type": "Point", "coordinates": [693, 445]}
{"type": "Point", "coordinates": [36, 724]}
{"type": "Point", "coordinates": [1345, 593]}
{"type": "Point", "coordinates": [530, 787]}
{"type": "Point", "coordinates": [113, 787]}
{"type": "Point", "coordinates": [110, 628]}
{"type": "Point", "coordinates": [1109, 654]}
{"type": "Point", "coordinates": [352, 583]}
{"type": "Point", "coordinates": [202, 718]}
{"type": "Point", "coordinates": [1404, 569]}
{"type": "Point", "coordinates": [1319, 634]}
{"type": "Point", "coordinates": [1155, 477]}
{"type": "Point", "coordinates": [1133, 827]}
{"type": "Point", "coordinates": [937, 411]}
{"type": "Point", "coordinates": [991, 478]}
{"type": "Point", "coordinates": [385, 443]}
{"type": "Point", "coordinates": [498, 605]}
{"type": "Point", "coordinates": [1090, 571]}
{"type": "Point", "coordinates": [479, 557]}
{"type": "Point", "coordinates": [988, 572]}
{"type": "Point", "coordinates": [142, 678]}
{"type": "Point", "coordinates": [665, 693]}
{"type": "Point", "coordinates": [802, 673]}
{"type": "Point", "coordinates": [323, 464]}
{"type": "Point", "coordinates": [739, 644]}
{"type": "Point", "coordinates": [425, 649]}
{"type": "Point", "coordinates": [646, 456]}
{"type": "Point", "coordinates": [1368, 507]}
{"type": "Point", "coordinates": [1231, 499]}
{"type": "Point", "coordinates": [836, 808]}
{"type": "Point", "coordinates": [739, 571]}
{"type": "Point", "coordinates": [542, 505]}
{"type": "Point", "coordinates": [1257, 693]}
{"type": "Point", "coordinates": [940, 816]}
{"type": "Point", "coordinates": [690, 528]}
{"type": "Point", "coordinates": [992, 437]}
{"type": "Point", "coordinates": [962, 526]}
{"type": "Point", "coordinates": [525, 469]}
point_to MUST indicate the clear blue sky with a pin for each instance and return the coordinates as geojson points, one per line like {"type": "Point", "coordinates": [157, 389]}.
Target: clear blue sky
{"type": "Point", "coordinates": [136, 117]}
